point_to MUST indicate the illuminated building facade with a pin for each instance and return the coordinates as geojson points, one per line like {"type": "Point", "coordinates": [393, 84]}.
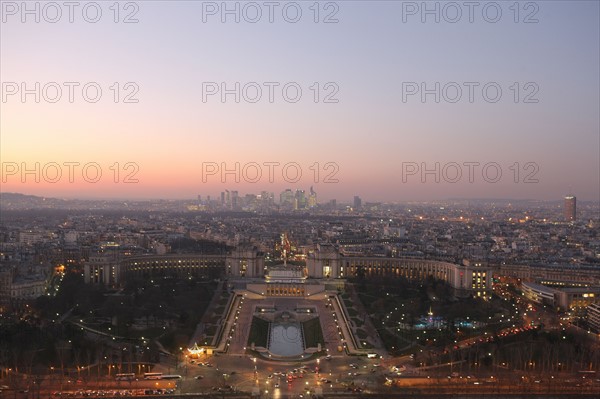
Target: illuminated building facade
{"type": "Point", "coordinates": [555, 275]}
{"type": "Point", "coordinates": [564, 298]}
{"type": "Point", "coordinates": [242, 262]}
{"type": "Point", "coordinates": [593, 316]}
{"type": "Point", "coordinates": [466, 280]}
{"type": "Point", "coordinates": [570, 208]}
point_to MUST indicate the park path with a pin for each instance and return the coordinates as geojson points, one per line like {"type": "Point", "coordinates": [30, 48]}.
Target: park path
{"type": "Point", "coordinates": [373, 335]}
{"type": "Point", "coordinates": [206, 316]}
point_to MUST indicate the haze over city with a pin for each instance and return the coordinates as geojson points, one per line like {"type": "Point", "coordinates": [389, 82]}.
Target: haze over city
{"type": "Point", "coordinates": [299, 199]}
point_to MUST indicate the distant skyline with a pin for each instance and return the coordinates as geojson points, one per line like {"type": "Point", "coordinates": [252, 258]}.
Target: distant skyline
{"type": "Point", "coordinates": [347, 201]}
{"type": "Point", "coordinates": [374, 62]}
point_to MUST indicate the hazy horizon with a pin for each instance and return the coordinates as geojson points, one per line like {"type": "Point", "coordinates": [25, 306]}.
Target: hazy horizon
{"type": "Point", "coordinates": [348, 200]}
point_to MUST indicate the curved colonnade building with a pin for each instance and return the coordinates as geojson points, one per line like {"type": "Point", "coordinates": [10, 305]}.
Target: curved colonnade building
{"type": "Point", "coordinates": [468, 279]}
{"type": "Point", "coordinates": [106, 269]}
{"type": "Point", "coordinates": [325, 262]}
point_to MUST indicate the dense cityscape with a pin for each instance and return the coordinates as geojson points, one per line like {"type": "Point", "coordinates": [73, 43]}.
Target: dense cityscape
{"type": "Point", "coordinates": [318, 199]}
{"type": "Point", "coordinates": [248, 297]}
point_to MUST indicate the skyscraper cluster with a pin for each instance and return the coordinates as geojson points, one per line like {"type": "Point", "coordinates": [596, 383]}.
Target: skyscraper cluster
{"type": "Point", "coordinates": [297, 200]}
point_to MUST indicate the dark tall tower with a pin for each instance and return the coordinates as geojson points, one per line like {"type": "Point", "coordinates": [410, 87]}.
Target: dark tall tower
{"type": "Point", "coordinates": [570, 208]}
{"type": "Point", "coordinates": [357, 202]}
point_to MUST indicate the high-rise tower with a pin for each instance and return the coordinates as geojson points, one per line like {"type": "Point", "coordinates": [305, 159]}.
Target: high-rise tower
{"type": "Point", "coordinates": [570, 208]}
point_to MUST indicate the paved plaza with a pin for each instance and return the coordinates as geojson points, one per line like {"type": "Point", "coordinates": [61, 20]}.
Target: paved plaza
{"type": "Point", "coordinates": [239, 340]}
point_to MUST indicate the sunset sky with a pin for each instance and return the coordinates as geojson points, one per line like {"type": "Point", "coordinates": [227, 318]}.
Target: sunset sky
{"type": "Point", "coordinates": [370, 58]}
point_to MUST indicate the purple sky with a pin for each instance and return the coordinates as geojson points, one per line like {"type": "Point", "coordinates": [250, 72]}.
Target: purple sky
{"type": "Point", "coordinates": [371, 127]}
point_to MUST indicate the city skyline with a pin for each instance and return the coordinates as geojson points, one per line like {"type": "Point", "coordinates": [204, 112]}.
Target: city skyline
{"type": "Point", "coordinates": [291, 199]}
{"type": "Point", "coordinates": [384, 81]}
{"type": "Point", "coordinates": [205, 197]}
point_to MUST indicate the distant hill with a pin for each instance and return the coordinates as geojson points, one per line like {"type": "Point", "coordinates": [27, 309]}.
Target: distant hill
{"type": "Point", "coordinates": [17, 201]}
{"type": "Point", "coordinates": [23, 202]}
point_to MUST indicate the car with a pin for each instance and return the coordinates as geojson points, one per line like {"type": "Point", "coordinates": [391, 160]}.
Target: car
{"type": "Point", "coordinates": [199, 377]}
{"type": "Point", "coordinates": [328, 357]}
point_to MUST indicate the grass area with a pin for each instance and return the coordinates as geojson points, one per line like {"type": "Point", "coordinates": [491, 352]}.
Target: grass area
{"type": "Point", "coordinates": [366, 345]}
{"type": "Point", "coordinates": [358, 322]}
{"type": "Point", "coordinates": [213, 319]}
{"type": "Point", "coordinates": [219, 310]}
{"type": "Point", "coordinates": [396, 305]}
{"type": "Point", "coordinates": [362, 334]}
{"type": "Point", "coordinates": [210, 330]}
{"type": "Point", "coordinates": [259, 330]}
{"type": "Point", "coordinates": [223, 301]}
{"type": "Point", "coordinates": [352, 312]}
{"type": "Point", "coordinates": [392, 343]}
{"type": "Point", "coordinates": [150, 333]}
{"type": "Point", "coordinates": [313, 335]}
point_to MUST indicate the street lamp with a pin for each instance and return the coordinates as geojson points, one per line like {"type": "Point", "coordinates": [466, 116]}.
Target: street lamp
{"type": "Point", "coordinates": [255, 370]}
